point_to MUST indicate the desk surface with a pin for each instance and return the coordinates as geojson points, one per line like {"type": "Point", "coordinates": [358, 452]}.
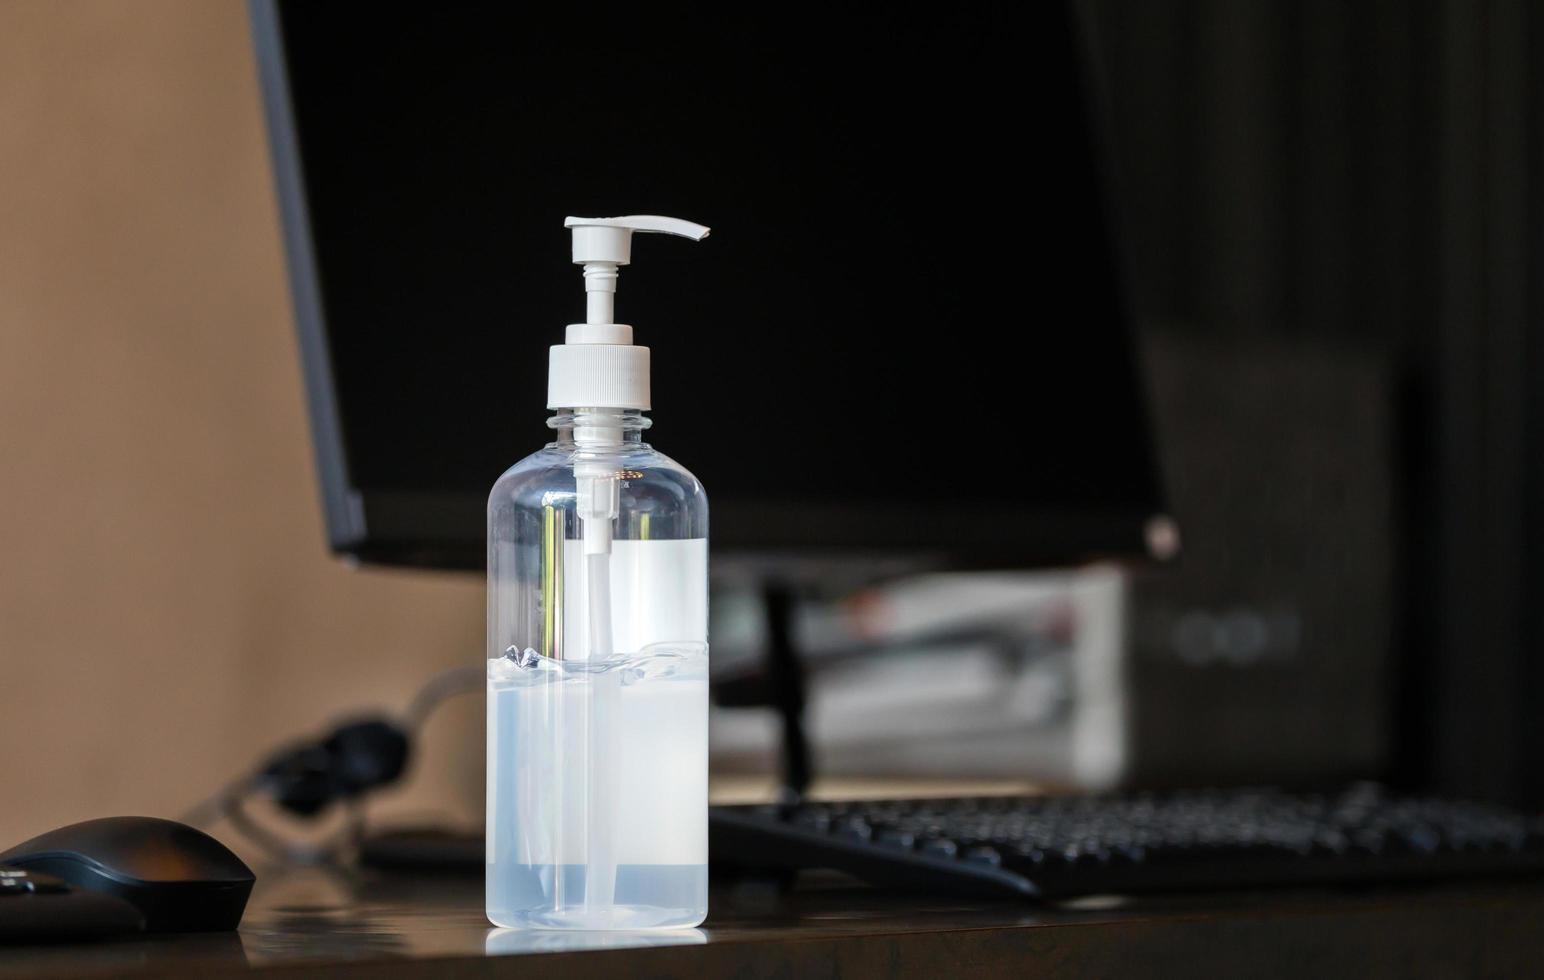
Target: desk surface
{"type": "Point", "coordinates": [315, 923]}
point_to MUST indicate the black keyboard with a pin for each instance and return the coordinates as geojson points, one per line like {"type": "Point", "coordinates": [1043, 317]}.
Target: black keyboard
{"type": "Point", "coordinates": [1046, 847]}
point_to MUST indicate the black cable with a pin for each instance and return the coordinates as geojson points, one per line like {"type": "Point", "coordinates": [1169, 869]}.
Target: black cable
{"type": "Point", "coordinates": [346, 765]}
{"type": "Point", "coordinates": [439, 689]}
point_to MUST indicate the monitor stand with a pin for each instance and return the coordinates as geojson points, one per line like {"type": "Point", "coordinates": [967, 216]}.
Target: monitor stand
{"type": "Point", "coordinates": [786, 684]}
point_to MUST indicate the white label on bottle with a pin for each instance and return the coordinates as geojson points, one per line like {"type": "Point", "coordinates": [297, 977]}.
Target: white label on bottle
{"type": "Point", "coordinates": [659, 594]}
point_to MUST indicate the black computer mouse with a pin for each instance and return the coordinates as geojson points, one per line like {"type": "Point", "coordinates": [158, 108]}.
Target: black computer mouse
{"type": "Point", "coordinates": [180, 878]}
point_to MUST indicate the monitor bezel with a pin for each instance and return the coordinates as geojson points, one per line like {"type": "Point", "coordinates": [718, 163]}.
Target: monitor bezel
{"type": "Point", "coordinates": [394, 527]}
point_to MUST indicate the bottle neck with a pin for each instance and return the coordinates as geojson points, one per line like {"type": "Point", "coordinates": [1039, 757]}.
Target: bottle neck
{"type": "Point", "coordinates": [599, 427]}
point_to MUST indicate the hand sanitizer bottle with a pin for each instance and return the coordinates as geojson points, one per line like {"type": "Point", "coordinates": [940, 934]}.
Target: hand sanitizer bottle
{"type": "Point", "coordinates": [597, 642]}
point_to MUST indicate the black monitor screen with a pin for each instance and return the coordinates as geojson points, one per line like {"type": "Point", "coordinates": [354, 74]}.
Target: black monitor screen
{"type": "Point", "coordinates": [906, 331]}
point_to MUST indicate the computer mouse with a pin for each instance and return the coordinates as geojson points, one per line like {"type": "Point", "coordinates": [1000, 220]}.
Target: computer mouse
{"type": "Point", "coordinates": [180, 878]}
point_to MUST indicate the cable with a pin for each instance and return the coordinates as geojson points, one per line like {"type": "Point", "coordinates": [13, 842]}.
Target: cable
{"type": "Point", "coordinates": [440, 688]}
{"type": "Point", "coordinates": [350, 762]}
{"type": "Point", "coordinates": [212, 808]}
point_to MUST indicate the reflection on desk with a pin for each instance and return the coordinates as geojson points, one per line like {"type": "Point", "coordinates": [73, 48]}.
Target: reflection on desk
{"type": "Point", "coordinates": [502, 942]}
{"type": "Point", "coordinates": [314, 922]}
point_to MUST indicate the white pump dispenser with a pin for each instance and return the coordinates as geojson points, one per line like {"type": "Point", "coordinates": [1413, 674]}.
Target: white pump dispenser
{"type": "Point", "coordinates": [598, 366]}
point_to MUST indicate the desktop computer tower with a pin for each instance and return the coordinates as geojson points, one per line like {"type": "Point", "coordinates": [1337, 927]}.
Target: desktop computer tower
{"type": "Point", "coordinates": [1263, 654]}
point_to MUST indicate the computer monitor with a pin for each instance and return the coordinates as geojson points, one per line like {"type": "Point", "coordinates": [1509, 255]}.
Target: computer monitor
{"type": "Point", "coordinates": [907, 336]}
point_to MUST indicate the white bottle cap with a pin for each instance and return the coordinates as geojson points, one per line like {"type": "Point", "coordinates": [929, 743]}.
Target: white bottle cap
{"type": "Point", "coordinates": [598, 366]}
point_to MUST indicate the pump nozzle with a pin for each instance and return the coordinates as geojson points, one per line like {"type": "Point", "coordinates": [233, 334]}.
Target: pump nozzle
{"type": "Point", "coordinates": [611, 239]}
{"type": "Point", "coordinates": [596, 366]}
{"type": "Point", "coordinates": [601, 245]}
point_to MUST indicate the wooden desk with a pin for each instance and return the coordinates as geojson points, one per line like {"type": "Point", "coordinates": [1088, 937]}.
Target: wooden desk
{"type": "Point", "coordinates": [311, 923]}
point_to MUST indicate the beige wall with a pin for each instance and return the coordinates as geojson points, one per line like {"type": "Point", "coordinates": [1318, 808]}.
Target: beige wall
{"type": "Point", "coordinates": [167, 610]}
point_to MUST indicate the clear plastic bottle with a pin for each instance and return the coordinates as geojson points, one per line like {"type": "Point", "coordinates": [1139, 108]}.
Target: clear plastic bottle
{"type": "Point", "coordinates": [597, 644]}
{"type": "Point", "coordinates": [589, 754]}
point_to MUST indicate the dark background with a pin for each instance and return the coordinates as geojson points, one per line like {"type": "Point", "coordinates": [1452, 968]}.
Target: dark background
{"type": "Point", "coordinates": [1367, 174]}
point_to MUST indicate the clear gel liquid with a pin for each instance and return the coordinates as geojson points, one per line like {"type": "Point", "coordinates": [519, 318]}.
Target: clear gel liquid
{"type": "Point", "coordinates": [558, 775]}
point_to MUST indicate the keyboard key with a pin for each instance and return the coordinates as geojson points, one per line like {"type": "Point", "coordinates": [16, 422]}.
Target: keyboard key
{"type": "Point", "coordinates": [897, 838]}
{"type": "Point", "coordinates": [816, 820]}
{"type": "Point", "coordinates": [939, 847]}
{"type": "Point", "coordinates": [853, 828]}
